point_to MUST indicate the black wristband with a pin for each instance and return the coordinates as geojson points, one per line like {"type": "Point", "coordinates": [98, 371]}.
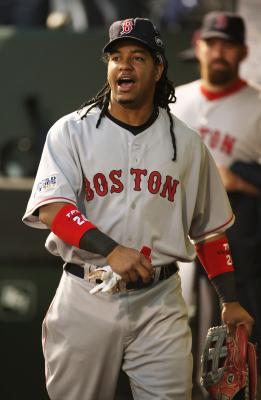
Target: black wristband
{"type": "Point", "coordinates": [225, 286]}
{"type": "Point", "coordinates": [97, 242]}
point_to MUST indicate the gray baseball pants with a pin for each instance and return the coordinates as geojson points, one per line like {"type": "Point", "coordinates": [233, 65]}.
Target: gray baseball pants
{"type": "Point", "coordinates": [88, 338]}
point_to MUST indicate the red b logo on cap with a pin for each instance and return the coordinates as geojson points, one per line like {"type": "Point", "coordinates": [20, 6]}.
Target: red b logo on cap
{"type": "Point", "coordinates": [126, 26]}
{"type": "Point", "coordinates": [221, 22]}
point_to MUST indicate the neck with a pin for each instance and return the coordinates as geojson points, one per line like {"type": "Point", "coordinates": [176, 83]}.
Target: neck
{"type": "Point", "coordinates": [234, 87]}
{"type": "Point", "coordinates": [218, 88]}
{"type": "Point", "coordinates": [131, 116]}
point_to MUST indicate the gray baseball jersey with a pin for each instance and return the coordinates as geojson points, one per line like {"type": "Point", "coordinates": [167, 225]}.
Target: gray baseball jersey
{"type": "Point", "coordinates": [128, 186]}
{"type": "Point", "coordinates": [229, 123]}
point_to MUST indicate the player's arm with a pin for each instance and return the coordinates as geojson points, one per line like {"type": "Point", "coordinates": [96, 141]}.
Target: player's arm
{"type": "Point", "coordinates": [70, 225]}
{"type": "Point", "coordinates": [215, 257]}
{"type": "Point", "coordinates": [234, 183]}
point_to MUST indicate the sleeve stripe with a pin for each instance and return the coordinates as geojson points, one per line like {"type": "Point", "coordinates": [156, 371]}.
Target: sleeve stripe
{"type": "Point", "coordinates": [229, 222]}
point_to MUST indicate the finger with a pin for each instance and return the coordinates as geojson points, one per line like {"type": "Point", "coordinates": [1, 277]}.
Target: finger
{"type": "Point", "coordinates": [125, 277]}
{"type": "Point", "coordinates": [146, 263]}
{"type": "Point", "coordinates": [231, 329]}
{"type": "Point", "coordinates": [145, 275]}
{"type": "Point", "coordinates": [248, 326]}
{"type": "Point", "coordinates": [133, 275]}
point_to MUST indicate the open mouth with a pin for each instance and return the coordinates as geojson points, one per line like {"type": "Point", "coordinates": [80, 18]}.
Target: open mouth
{"type": "Point", "coordinates": [125, 84]}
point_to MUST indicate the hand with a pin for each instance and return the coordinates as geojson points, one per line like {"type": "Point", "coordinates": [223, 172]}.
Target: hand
{"type": "Point", "coordinates": [130, 264]}
{"type": "Point", "coordinates": [233, 183]}
{"type": "Point", "coordinates": [233, 314]}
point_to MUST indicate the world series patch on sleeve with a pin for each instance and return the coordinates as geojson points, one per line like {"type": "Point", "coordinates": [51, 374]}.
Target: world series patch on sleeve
{"type": "Point", "coordinates": [229, 364]}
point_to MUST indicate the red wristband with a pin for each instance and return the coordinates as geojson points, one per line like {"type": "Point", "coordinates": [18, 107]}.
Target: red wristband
{"type": "Point", "coordinates": [215, 257]}
{"type": "Point", "coordinates": [70, 224]}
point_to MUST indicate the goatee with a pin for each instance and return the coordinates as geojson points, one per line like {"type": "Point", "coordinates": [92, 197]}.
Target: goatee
{"type": "Point", "coordinates": [221, 77]}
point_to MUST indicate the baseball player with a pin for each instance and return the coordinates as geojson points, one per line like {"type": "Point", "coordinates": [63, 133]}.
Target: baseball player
{"type": "Point", "coordinates": [226, 111]}
{"type": "Point", "coordinates": [119, 176]}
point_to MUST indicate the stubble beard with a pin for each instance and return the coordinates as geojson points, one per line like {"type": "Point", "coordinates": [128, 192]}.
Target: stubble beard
{"type": "Point", "coordinates": [131, 102]}
{"type": "Point", "coordinates": [125, 101]}
{"type": "Point", "coordinates": [221, 77]}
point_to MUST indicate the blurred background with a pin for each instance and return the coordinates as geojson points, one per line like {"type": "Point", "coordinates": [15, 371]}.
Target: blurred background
{"type": "Point", "coordinates": [50, 54]}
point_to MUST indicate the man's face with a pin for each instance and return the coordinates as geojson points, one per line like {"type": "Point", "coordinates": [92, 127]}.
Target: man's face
{"type": "Point", "coordinates": [132, 75]}
{"type": "Point", "coordinates": [219, 60]}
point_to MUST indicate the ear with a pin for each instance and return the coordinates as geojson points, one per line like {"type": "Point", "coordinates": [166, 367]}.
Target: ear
{"type": "Point", "coordinates": [197, 49]}
{"type": "Point", "coordinates": [244, 52]}
{"type": "Point", "coordinates": [158, 71]}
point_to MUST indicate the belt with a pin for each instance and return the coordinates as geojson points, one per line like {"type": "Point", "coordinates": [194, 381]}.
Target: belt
{"type": "Point", "coordinates": [165, 272]}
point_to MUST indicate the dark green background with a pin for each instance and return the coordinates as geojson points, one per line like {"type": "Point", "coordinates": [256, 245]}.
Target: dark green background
{"type": "Point", "coordinates": [61, 69]}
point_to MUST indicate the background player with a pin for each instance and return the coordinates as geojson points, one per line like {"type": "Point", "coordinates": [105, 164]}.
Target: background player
{"type": "Point", "coordinates": [119, 174]}
{"type": "Point", "coordinates": [226, 111]}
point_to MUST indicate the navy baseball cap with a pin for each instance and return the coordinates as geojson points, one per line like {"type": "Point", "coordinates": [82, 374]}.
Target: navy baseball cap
{"type": "Point", "coordinates": [141, 30]}
{"type": "Point", "coordinates": [224, 25]}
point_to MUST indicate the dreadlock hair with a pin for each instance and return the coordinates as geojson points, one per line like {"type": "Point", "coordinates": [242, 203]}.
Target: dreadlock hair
{"type": "Point", "coordinates": [164, 95]}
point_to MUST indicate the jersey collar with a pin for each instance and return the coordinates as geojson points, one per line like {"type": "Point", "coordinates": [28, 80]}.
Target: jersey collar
{"type": "Point", "coordinates": [135, 130]}
{"type": "Point", "coordinates": [235, 87]}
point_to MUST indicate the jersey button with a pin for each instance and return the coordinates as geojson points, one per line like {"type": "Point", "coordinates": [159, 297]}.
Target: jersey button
{"type": "Point", "coordinates": [133, 206]}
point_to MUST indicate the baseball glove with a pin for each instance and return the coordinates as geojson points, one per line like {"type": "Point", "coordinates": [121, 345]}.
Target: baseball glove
{"type": "Point", "coordinates": [229, 364]}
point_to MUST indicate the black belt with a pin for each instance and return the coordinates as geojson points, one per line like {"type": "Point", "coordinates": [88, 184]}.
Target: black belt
{"type": "Point", "coordinates": [165, 272]}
